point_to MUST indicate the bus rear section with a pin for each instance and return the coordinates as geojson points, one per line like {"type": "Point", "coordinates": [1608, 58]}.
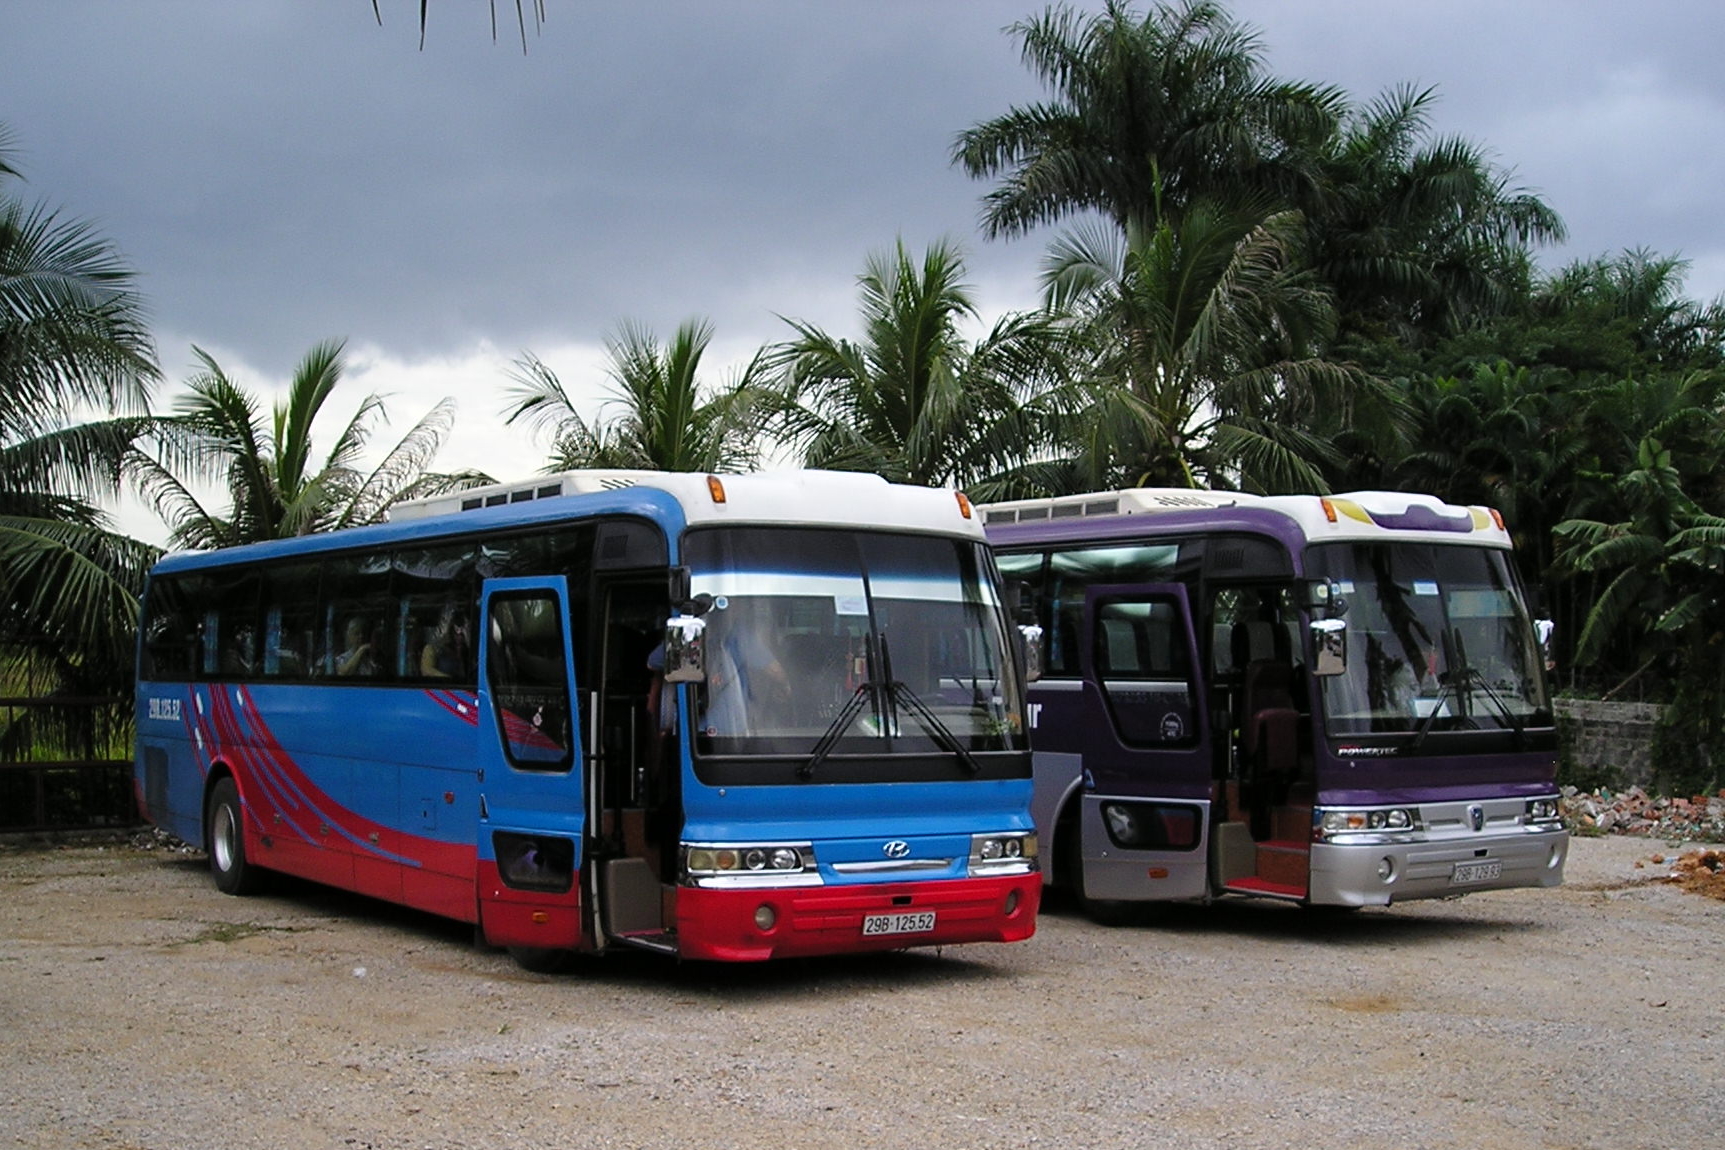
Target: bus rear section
{"type": "Point", "coordinates": [1335, 702]}
{"type": "Point", "coordinates": [687, 714]}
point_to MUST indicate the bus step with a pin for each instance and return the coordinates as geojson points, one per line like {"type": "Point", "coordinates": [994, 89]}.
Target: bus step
{"type": "Point", "coordinates": [1283, 863]}
{"type": "Point", "coordinates": [658, 941]}
{"type": "Point", "coordinates": [1263, 888]}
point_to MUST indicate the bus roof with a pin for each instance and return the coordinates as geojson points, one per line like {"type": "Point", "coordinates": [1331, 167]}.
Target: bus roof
{"type": "Point", "coordinates": [1357, 515]}
{"type": "Point", "coordinates": [673, 499]}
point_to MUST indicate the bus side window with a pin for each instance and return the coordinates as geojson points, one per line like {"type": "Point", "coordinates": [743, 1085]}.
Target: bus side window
{"type": "Point", "coordinates": [1144, 669]}
{"type": "Point", "coordinates": [529, 682]}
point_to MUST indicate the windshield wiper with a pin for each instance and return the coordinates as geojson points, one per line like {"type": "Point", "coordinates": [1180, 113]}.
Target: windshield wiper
{"type": "Point", "coordinates": [898, 691]}
{"type": "Point", "coordinates": [1462, 677]}
{"type": "Point", "coordinates": [840, 724]}
{"type": "Point", "coordinates": [932, 723]}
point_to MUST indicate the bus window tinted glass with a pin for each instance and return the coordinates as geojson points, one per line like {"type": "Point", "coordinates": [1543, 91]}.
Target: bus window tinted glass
{"type": "Point", "coordinates": [1070, 573]}
{"type": "Point", "coordinates": [1144, 666]}
{"type": "Point", "coordinates": [528, 673]}
{"type": "Point", "coordinates": [1438, 639]}
{"type": "Point", "coordinates": [896, 639]}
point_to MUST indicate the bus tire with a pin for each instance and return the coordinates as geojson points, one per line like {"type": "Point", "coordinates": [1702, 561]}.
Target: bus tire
{"type": "Point", "coordinates": [226, 842]}
{"type": "Point", "coordinates": [542, 959]}
{"type": "Point", "coordinates": [1102, 911]}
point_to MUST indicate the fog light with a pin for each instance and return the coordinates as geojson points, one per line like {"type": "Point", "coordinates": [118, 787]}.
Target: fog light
{"type": "Point", "coordinates": [1011, 902]}
{"type": "Point", "coordinates": [765, 917]}
{"type": "Point", "coordinates": [1386, 869]}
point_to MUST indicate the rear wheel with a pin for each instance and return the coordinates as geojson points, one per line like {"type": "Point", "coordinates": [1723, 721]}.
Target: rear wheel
{"type": "Point", "coordinates": [227, 842]}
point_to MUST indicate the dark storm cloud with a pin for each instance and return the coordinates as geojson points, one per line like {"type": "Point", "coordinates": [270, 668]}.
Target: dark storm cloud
{"type": "Point", "coordinates": [284, 172]}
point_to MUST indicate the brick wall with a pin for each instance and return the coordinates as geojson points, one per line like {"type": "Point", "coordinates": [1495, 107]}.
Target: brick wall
{"type": "Point", "coordinates": [1613, 741]}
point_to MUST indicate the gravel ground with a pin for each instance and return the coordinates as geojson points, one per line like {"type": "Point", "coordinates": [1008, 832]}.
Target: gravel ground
{"type": "Point", "coordinates": [141, 1009]}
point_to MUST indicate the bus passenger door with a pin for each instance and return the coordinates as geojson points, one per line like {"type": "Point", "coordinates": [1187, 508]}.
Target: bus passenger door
{"type": "Point", "coordinates": [1145, 815]}
{"type": "Point", "coordinates": [532, 798]}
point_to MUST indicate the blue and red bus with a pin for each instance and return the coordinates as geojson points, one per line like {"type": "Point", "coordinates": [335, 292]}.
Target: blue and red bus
{"type": "Point", "coordinates": [1335, 701]}
{"type": "Point", "coordinates": [720, 717]}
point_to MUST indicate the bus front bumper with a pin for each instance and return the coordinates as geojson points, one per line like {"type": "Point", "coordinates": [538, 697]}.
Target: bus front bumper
{"type": "Point", "coordinates": [751, 925]}
{"type": "Point", "coordinates": [1378, 870]}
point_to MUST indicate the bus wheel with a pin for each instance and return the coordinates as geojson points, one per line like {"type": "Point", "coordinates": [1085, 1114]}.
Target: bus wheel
{"type": "Point", "coordinates": [1103, 911]}
{"type": "Point", "coordinates": [227, 843]}
{"type": "Point", "coordinates": [542, 959]}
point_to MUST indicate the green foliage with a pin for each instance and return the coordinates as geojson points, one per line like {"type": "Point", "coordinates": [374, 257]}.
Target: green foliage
{"type": "Point", "coordinates": [72, 339]}
{"type": "Point", "coordinates": [913, 400]}
{"type": "Point", "coordinates": [1149, 115]}
{"type": "Point", "coordinates": [219, 433]}
{"type": "Point", "coordinates": [664, 420]}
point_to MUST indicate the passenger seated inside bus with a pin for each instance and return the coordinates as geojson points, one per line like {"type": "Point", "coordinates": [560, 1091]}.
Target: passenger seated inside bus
{"type": "Point", "coordinates": [747, 689]}
{"type": "Point", "coordinates": [355, 658]}
{"type": "Point", "coordinates": [447, 650]}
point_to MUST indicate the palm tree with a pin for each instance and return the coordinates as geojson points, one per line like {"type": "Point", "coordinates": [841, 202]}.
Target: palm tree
{"type": "Point", "coordinates": [1419, 235]}
{"type": "Point", "coordinates": [1149, 114]}
{"type": "Point", "coordinates": [663, 422]}
{"type": "Point", "coordinates": [274, 489]}
{"type": "Point", "coordinates": [72, 340]}
{"type": "Point", "coordinates": [1200, 367]}
{"type": "Point", "coordinates": [1664, 566]}
{"type": "Point", "coordinates": [913, 400]}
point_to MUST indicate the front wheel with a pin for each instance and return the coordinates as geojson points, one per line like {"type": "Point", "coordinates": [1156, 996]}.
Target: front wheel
{"type": "Point", "coordinates": [1070, 869]}
{"type": "Point", "coordinates": [227, 842]}
{"type": "Point", "coordinates": [541, 959]}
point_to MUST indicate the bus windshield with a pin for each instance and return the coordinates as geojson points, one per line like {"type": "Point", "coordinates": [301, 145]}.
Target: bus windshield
{"type": "Point", "coordinates": [1438, 639]}
{"type": "Point", "coordinates": [828, 643]}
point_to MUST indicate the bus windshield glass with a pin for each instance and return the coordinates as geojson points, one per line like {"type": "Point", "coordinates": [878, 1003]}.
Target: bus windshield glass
{"type": "Point", "coordinates": [1438, 639]}
{"type": "Point", "coordinates": [826, 643]}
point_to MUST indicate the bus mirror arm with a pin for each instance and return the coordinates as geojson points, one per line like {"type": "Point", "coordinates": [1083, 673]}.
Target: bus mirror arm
{"type": "Point", "coordinates": [1324, 596]}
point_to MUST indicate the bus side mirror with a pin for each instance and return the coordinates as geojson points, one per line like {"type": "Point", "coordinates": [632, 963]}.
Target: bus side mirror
{"type": "Point", "coordinates": [685, 649]}
{"type": "Point", "coordinates": [1329, 647]}
{"type": "Point", "coordinates": [1031, 637]}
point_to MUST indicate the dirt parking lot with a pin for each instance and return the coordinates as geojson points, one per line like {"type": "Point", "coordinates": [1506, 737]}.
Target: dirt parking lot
{"type": "Point", "coordinates": [141, 1009]}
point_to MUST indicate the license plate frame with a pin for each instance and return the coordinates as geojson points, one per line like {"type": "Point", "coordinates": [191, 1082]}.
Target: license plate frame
{"type": "Point", "coordinates": [1476, 871]}
{"type": "Point", "coordinates": [906, 922]}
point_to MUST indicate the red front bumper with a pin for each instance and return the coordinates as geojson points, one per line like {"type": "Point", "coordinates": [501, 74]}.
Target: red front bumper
{"type": "Point", "coordinates": [721, 925]}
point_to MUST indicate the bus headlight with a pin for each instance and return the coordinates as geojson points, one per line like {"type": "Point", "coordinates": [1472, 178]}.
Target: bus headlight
{"type": "Point", "coordinates": [1012, 852]}
{"type": "Point", "coordinates": [1363, 820]}
{"type": "Point", "coordinates": [1542, 810]}
{"type": "Point", "coordinates": [765, 864]}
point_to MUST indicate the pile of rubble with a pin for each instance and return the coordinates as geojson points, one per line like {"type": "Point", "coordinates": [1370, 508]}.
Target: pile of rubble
{"type": "Point", "coordinates": [1635, 812]}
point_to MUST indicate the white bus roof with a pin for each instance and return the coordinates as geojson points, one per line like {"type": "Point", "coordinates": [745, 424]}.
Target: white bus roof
{"type": "Point", "coordinates": [1355, 515]}
{"type": "Point", "coordinates": [814, 498]}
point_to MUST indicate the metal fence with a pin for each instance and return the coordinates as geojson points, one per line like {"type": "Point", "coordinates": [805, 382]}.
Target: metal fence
{"type": "Point", "coordinates": [62, 766]}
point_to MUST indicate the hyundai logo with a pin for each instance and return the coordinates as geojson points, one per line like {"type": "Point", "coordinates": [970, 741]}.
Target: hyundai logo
{"type": "Point", "coordinates": [1476, 817]}
{"type": "Point", "coordinates": [896, 849]}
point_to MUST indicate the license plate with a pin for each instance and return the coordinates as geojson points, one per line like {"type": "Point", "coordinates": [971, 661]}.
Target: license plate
{"type": "Point", "coordinates": [1476, 872]}
{"type": "Point", "coordinates": [914, 923]}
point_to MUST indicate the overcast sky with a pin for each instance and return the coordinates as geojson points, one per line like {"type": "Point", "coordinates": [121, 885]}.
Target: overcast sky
{"type": "Point", "coordinates": [283, 172]}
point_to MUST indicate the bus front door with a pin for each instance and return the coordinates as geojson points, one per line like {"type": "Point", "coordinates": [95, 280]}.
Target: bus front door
{"type": "Point", "coordinates": [1144, 818]}
{"type": "Point", "coordinates": [533, 803]}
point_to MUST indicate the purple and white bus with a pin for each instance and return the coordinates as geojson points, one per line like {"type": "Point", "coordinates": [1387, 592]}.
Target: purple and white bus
{"type": "Point", "coordinates": [1335, 701]}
